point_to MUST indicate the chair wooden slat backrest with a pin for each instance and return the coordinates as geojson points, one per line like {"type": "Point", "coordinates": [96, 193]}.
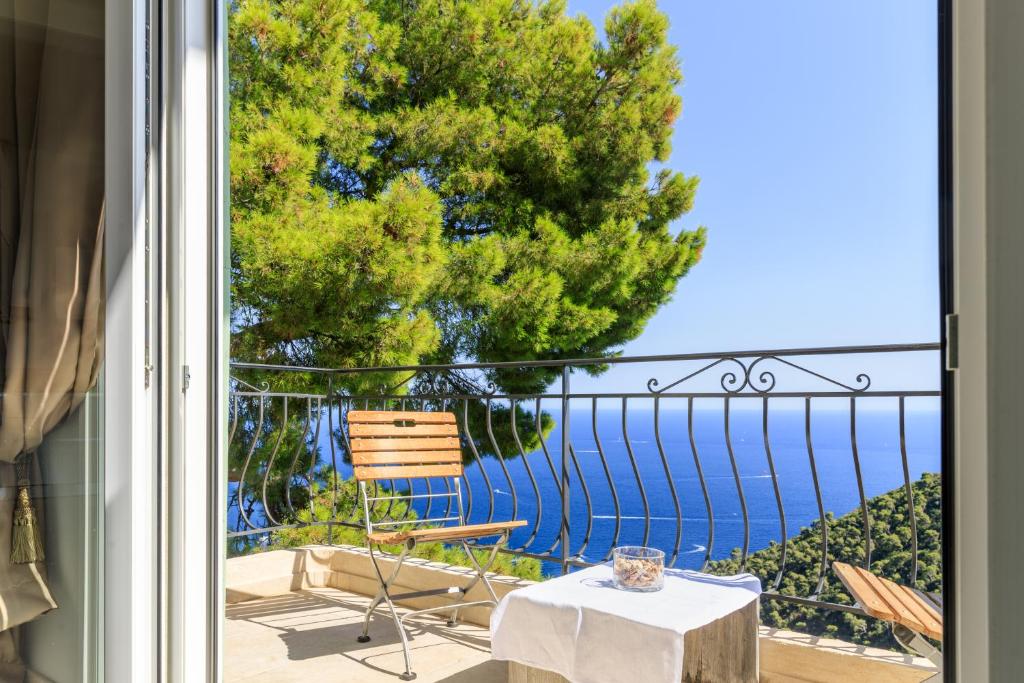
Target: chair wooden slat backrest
{"type": "Point", "coordinates": [403, 444]}
{"type": "Point", "coordinates": [417, 445]}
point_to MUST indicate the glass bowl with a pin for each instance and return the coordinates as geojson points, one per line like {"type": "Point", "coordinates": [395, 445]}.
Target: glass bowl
{"type": "Point", "coordinates": [637, 568]}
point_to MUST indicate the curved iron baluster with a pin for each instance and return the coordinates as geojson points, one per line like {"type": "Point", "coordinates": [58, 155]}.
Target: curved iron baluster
{"type": "Point", "coordinates": [778, 495]}
{"type": "Point", "coordinates": [636, 473]}
{"type": "Point", "coordinates": [611, 482]}
{"type": "Point", "coordinates": [313, 453]}
{"type": "Point", "coordinates": [334, 454]}
{"type": "Point", "coordinates": [392, 498]}
{"type": "Point", "coordinates": [270, 463]}
{"type": "Point", "coordinates": [823, 567]}
{"type": "Point", "coordinates": [257, 431]}
{"type": "Point", "coordinates": [298, 450]}
{"type": "Point", "coordinates": [865, 515]}
{"type": "Point", "coordinates": [529, 472]}
{"type": "Point", "coordinates": [391, 501]}
{"type": "Point", "coordinates": [448, 501]}
{"type": "Point", "coordinates": [479, 461]}
{"type": "Point", "coordinates": [703, 485]}
{"type": "Point", "coordinates": [468, 487]}
{"type": "Point", "coordinates": [668, 478]}
{"type": "Point", "coordinates": [429, 498]}
{"type": "Point", "coordinates": [501, 461]}
{"type": "Point", "coordinates": [343, 431]}
{"type": "Point", "coordinates": [234, 421]}
{"type": "Point", "coordinates": [539, 427]}
{"type": "Point", "coordinates": [422, 406]}
{"type": "Point", "coordinates": [909, 489]}
{"type": "Point", "coordinates": [586, 498]}
{"type": "Point", "coordinates": [739, 486]}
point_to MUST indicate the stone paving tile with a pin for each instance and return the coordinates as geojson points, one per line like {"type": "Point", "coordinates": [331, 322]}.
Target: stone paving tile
{"type": "Point", "coordinates": [310, 635]}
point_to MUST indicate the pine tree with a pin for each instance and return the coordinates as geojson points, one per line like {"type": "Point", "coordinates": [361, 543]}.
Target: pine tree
{"type": "Point", "coordinates": [433, 180]}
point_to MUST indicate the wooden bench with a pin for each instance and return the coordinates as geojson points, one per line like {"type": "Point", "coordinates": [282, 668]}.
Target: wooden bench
{"type": "Point", "coordinates": [912, 613]}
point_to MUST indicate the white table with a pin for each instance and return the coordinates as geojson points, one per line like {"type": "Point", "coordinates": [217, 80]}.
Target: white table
{"type": "Point", "coordinates": [582, 628]}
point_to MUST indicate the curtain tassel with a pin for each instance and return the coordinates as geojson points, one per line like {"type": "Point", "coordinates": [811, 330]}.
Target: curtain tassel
{"type": "Point", "coordinates": [26, 540]}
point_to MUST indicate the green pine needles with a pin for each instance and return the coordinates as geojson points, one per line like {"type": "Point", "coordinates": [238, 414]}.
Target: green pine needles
{"type": "Point", "coordinates": [434, 180]}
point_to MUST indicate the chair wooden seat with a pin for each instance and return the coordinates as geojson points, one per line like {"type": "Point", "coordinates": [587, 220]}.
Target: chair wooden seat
{"type": "Point", "coordinates": [448, 533]}
{"type": "Point", "coordinates": [918, 611]}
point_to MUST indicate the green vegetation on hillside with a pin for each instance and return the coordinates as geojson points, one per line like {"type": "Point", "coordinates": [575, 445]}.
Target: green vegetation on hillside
{"type": "Point", "coordinates": [891, 557]}
{"type": "Point", "coordinates": [347, 498]}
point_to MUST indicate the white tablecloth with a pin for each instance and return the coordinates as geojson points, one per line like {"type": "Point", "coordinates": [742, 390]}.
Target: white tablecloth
{"type": "Point", "coordinates": [583, 628]}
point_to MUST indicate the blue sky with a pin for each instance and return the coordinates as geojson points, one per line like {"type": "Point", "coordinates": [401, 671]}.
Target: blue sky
{"type": "Point", "coordinates": [812, 125]}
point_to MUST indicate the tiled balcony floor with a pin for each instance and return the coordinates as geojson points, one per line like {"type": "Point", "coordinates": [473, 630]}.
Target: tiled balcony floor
{"type": "Point", "coordinates": [310, 635]}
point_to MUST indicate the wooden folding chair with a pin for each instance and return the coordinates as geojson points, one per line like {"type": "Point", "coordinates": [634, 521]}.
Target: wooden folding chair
{"type": "Point", "coordinates": [911, 613]}
{"type": "Point", "coordinates": [416, 445]}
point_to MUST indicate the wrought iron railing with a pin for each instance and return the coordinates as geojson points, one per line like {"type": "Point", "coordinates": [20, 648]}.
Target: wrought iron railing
{"type": "Point", "coordinates": [713, 452]}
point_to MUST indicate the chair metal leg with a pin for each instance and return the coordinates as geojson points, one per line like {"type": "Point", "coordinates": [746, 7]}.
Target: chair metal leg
{"type": "Point", "coordinates": [481, 575]}
{"type": "Point", "coordinates": [365, 637]}
{"type": "Point", "coordinates": [383, 595]}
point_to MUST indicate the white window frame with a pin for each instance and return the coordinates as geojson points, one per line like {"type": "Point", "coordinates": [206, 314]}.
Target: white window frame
{"type": "Point", "coordinates": [130, 556]}
{"type": "Point", "coordinates": [166, 324]}
{"type": "Point", "coordinates": [970, 449]}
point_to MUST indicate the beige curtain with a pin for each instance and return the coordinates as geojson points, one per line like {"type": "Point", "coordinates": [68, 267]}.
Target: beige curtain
{"type": "Point", "coordinates": [51, 238]}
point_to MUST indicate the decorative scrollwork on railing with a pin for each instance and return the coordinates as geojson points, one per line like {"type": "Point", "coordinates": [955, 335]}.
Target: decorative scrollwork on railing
{"type": "Point", "coordinates": [767, 378]}
{"type": "Point", "coordinates": [386, 390]}
{"type": "Point", "coordinates": [263, 388]}
{"type": "Point", "coordinates": [746, 378]}
{"type": "Point", "coordinates": [727, 378]}
{"type": "Point", "coordinates": [445, 384]}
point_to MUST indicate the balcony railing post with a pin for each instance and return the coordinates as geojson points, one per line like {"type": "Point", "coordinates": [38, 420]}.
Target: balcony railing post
{"type": "Point", "coordinates": [564, 550]}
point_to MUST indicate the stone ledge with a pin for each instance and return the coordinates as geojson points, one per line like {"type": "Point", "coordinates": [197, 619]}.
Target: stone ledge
{"type": "Point", "coordinates": [349, 568]}
{"type": "Point", "coordinates": [789, 657]}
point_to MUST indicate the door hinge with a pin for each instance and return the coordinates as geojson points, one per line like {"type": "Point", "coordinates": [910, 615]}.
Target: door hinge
{"type": "Point", "coordinates": [185, 378]}
{"type": "Point", "coordinates": [952, 341]}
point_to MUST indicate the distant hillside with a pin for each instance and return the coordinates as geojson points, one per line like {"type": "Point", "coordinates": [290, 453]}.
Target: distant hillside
{"type": "Point", "coordinates": [890, 557]}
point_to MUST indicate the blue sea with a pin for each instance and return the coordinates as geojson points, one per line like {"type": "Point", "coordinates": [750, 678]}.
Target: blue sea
{"type": "Point", "coordinates": [878, 442]}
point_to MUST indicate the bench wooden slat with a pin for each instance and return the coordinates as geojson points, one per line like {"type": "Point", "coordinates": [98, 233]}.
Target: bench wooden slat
{"type": "Point", "coordinates": [933, 600]}
{"type": "Point", "coordinates": [927, 614]}
{"type": "Point", "coordinates": [391, 430]}
{"type": "Point", "coordinates": [887, 600]}
{"type": "Point", "coordinates": [910, 611]}
{"type": "Point", "coordinates": [863, 592]}
{"type": "Point", "coordinates": [450, 533]}
{"type": "Point", "coordinates": [405, 457]}
{"type": "Point", "coordinates": [391, 416]}
{"type": "Point", "coordinates": [370, 473]}
{"type": "Point", "coordinates": [441, 443]}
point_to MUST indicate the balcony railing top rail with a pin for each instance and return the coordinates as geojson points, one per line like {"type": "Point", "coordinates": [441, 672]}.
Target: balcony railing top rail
{"type": "Point", "coordinates": [672, 452]}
